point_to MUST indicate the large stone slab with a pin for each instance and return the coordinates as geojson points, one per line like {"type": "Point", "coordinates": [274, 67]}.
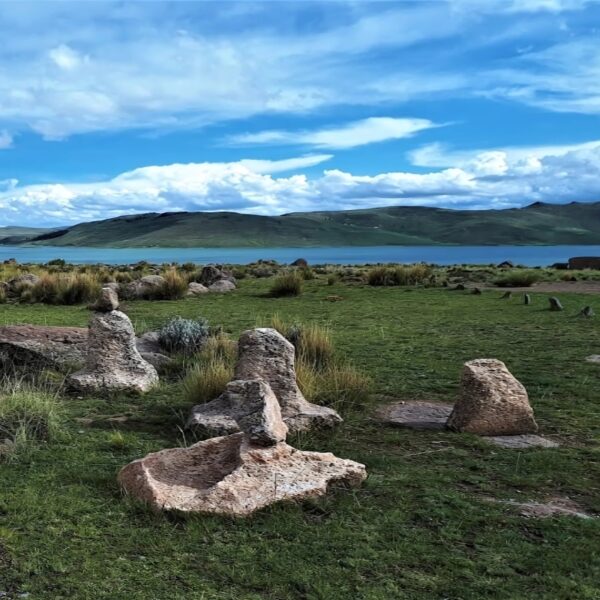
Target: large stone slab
{"type": "Point", "coordinates": [231, 476]}
{"type": "Point", "coordinates": [113, 362]}
{"type": "Point", "coordinates": [522, 442]}
{"type": "Point", "coordinates": [492, 401]}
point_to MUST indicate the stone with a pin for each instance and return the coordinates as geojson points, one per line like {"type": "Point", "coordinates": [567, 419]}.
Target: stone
{"type": "Point", "coordinates": [555, 304]}
{"type": "Point", "coordinates": [587, 312]}
{"type": "Point", "coordinates": [231, 476]}
{"type": "Point", "coordinates": [554, 507]}
{"type": "Point", "coordinates": [113, 362]}
{"type": "Point", "coordinates": [21, 281]}
{"type": "Point", "coordinates": [476, 291]}
{"type": "Point", "coordinates": [107, 301]}
{"type": "Point", "coordinates": [196, 289]}
{"type": "Point", "coordinates": [459, 287]}
{"type": "Point", "coordinates": [264, 354]}
{"type": "Point", "coordinates": [492, 401]}
{"type": "Point", "coordinates": [300, 262]}
{"type": "Point", "coordinates": [593, 358]}
{"type": "Point", "coordinates": [212, 273]}
{"type": "Point", "coordinates": [222, 286]}
{"type": "Point", "coordinates": [158, 360]}
{"type": "Point", "coordinates": [144, 287]}
{"type": "Point", "coordinates": [507, 264]}
{"type": "Point", "coordinates": [526, 299]}
{"type": "Point", "coordinates": [415, 414]}
{"type": "Point", "coordinates": [113, 285]}
{"type": "Point", "coordinates": [149, 342]}
{"type": "Point", "coordinates": [236, 409]}
{"type": "Point", "coordinates": [39, 346]}
{"type": "Point", "coordinates": [519, 442]}
{"type": "Point", "coordinates": [506, 296]}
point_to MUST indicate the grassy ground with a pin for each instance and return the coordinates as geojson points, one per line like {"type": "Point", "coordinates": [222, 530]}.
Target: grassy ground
{"type": "Point", "coordinates": [420, 527]}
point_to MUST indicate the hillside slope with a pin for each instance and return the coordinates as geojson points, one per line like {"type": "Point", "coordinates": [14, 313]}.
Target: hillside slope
{"type": "Point", "coordinates": [575, 223]}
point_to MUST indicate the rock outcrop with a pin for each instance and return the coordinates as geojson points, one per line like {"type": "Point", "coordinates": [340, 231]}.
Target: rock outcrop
{"type": "Point", "coordinates": [492, 402]}
{"type": "Point", "coordinates": [239, 473]}
{"type": "Point", "coordinates": [196, 289]}
{"type": "Point", "coordinates": [113, 362]}
{"type": "Point", "coordinates": [222, 286]}
{"type": "Point", "coordinates": [212, 273]}
{"type": "Point", "coordinates": [263, 354]}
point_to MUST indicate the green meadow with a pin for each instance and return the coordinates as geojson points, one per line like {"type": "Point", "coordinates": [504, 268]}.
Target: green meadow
{"type": "Point", "coordinates": [423, 526]}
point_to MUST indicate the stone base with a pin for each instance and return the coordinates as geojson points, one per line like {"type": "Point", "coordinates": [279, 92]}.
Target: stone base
{"type": "Point", "coordinates": [522, 441]}
{"type": "Point", "coordinates": [230, 476]}
{"type": "Point", "coordinates": [415, 414]}
{"type": "Point", "coordinates": [90, 383]}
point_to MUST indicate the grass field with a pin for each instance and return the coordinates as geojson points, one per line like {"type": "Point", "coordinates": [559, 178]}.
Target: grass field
{"type": "Point", "coordinates": [421, 526]}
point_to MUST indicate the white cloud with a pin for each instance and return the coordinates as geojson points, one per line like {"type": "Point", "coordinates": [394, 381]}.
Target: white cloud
{"type": "Point", "coordinates": [357, 133]}
{"type": "Point", "coordinates": [65, 57]}
{"type": "Point", "coordinates": [6, 140]}
{"type": "Point", "coordinates": [486, 180]}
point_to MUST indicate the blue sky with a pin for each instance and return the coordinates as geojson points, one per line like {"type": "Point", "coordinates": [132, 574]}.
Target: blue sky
{"type": "Point", "coordinates": [109, 108]}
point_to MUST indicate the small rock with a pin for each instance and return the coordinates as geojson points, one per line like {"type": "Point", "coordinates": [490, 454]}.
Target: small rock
{"type": "Point", "coordinates": [594, 358]}
{"type": "Point", "coordinates": [526, 299]}
{"type": "Point", "coordinates": [300, 262]}
{"type": "Point", "coordinates": [196, 289]}
{"type": "Point", "coordinates": [587, 312]}
{"type": "Point", "coordinates": [522, 441]}
{"type": "Point", "coordinates": [476, 291]}
{"type": "Point", "coordinates": [416, 414]}
{"type": "Point", "coordinates": [555, 304]}
{"type": "Point", "coordinates": [107, 301]}
{"type": "Point", "coordinates": [222, 286]}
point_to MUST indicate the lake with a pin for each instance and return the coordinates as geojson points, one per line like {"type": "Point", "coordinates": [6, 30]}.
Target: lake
{"type": "Point", "coordinates": [442, 255]}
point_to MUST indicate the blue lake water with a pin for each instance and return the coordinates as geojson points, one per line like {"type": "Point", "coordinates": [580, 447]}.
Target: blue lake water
{"type": "Point", "coordinates": [442, 255]}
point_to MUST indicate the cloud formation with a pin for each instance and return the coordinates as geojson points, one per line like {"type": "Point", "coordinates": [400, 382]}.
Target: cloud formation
{"type": "Point", "coordinates": [351, 135]}
{"type": "Point", "coordinates": [487, 180]}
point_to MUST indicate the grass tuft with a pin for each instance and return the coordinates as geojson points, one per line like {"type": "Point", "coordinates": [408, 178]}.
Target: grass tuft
{"type": "Point", "coordinates": [288, 284]}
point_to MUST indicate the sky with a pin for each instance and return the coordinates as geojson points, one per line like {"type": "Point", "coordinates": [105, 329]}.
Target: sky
{"type": "Point", "coordinates": [111, 108]}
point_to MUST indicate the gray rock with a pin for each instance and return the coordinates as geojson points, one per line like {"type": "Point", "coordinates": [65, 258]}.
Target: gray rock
{"type": "Point", "coordinates": [555, 303]}
{"type": "Point", "coordinates": [107, 301]}
{"type": "Point", "coordinates": [222, 286]}
{"type": "Point", "coordinates": [587, 312]}
{"type": "Point", "coordinates": [593, 358]}
{"type": "Point", "coordinates": [415, 414]}
{"type": "Point", "coordinates": [522, 441]}
{"type": "Point", "coordinates": [196, 289]}
{"type": "Point", "coordinates": [113, 362]}
{"type": "Point", "coordinates": [159, 361]}
{"type": "Point", "coordinates": [526, 299]}
{"type": "Point", "coordinates": [492, 402]}
{"type": "Point", "coordinates": [21, 281]}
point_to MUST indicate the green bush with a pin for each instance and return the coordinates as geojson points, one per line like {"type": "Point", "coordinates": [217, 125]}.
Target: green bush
{"type": "Point", "coordinates": [184, 335]}
{"type": "Point", "coordinates": [518, 279]}
{"type": "Point", "coordinates": [289, 284]}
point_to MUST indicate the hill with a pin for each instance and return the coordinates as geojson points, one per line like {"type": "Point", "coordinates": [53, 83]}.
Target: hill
{"type": "Point", "coordinates": [575, 223]}
{"type": "Point", "coordinates": [16, 235]}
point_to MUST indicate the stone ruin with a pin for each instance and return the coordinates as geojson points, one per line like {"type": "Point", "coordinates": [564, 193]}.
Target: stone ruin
{"type": "Point", "coordinates": [262, 354]}
{"type": "Point", "coordinates": [492, 403]}
{"type": "Point", "coordinates": [240, 473]}
{"type": "Point", "coordinates": [113, 362]}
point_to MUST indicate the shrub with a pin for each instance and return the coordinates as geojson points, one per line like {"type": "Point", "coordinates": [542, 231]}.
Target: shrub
{"type": "Point", "coordinates": [332, 279]}
{"type": "Point", "coordinates": [288, 284]}
{"type": "Point", "coordinates": [69, 289]}
{"type": "Point", "coordinates": [219, 347]}
{"type": "Point", "coordinates": [26, 416]}
{"type": "Point", "coordinates": [306, 273]}
{"type": "Point", "coordinates": [518, 279]}
{"type": "Point", "coordinates": [207, 380]}
{"type": "Point", "coordinates": [400, 275]}
{"type": "Point", "coordinates": [183, 335]}
{"type": "Point", "coordinates": [174, 287]}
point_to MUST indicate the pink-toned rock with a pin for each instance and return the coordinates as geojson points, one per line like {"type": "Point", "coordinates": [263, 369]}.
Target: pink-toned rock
{"type": "Point", "coordinates": [491, 402]}
{"type": "Point", "coordinates": [230, 476]}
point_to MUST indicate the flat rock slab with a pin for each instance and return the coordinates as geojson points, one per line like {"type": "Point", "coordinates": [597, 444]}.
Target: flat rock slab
{"type": "Point", "coordinates": [416, 414]}
{"type": "Point", "coordinates": [555, 507]}
{"type": "Point", "coordinates": [522, 441]}
{"type": "Point", "coordinates": [594, 358]}
{"type": "Point", "coordinates": [230, 476]}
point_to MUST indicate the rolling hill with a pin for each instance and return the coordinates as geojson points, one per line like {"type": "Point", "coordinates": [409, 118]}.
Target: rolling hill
{"type": "Point", "coordinates": [538, 223]}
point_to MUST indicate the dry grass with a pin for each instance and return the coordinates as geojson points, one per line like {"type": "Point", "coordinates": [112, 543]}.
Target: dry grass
{"type": "Point", "coordinates": [400, 275]}
{"type": "Point", "coordinates": [288, 284]}
{"type": "Point", "coordinates": [205, 381]}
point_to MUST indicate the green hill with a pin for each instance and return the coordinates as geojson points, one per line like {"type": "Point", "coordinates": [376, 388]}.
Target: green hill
{"type": "Point", "coordinates": [575, 223]}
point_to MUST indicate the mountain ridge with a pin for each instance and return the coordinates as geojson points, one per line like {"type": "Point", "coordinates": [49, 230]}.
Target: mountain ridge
{"type": "Point", "coordinates": [535, 224]}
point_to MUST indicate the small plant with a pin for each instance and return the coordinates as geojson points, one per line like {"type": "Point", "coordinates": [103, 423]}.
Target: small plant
{"type": "Point", "coordinates": [205, 381]}
{"type": "Point", "coordinates": [27, 416]}
{"type": "Point", "coordinates": [288, 284]}
{"type": "Point", "coordinates": [332, 279]}
{"type": "Point", "coordinates": [184, 335]}
{"type": "Point", "coordinates": [400, 275]}
{"type": "Point", "coordinates": [525, 278]}
{"type": "Point", "coordinates": [117, 440]}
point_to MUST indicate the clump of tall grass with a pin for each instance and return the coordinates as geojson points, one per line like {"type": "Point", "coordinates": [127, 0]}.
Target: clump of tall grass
{"type": "Point", "coordinates": [288, 284]}
{"type": "Point", "coordinates": [72, 288]}
{"type": "Point", "coordinates": [27, 416]}
{"type": "Point", "coordinates": [206, 380]}
{"type": "Point", "coordinates": [399, 275]}
{"type": "Point", "coordinates": [175, 285]}
{"type": "Point", "coordinates": [219, 347]}
{"type": "Point", "coordinates": [523, 278]}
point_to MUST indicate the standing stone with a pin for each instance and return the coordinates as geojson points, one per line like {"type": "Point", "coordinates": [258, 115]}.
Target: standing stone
{"type": "Point", "coordinates": [587, 312]}
{"type": "Point", "coordinates": [492, 401]}
{"type": "Point", "coordinates": [263, 354]}
{"type": "Point", "coordinates": [113, 361]}
{"type": "Point", "coordinates": [476, 291]}
{"type": "Point", "coordinates": [506, 296]}
{"type": "Point", "coordinates": [526, 299]}
{"type": "Point", "coordinates": [107, 301]}
{"type": "Point", "coordinates": [555, 303]}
